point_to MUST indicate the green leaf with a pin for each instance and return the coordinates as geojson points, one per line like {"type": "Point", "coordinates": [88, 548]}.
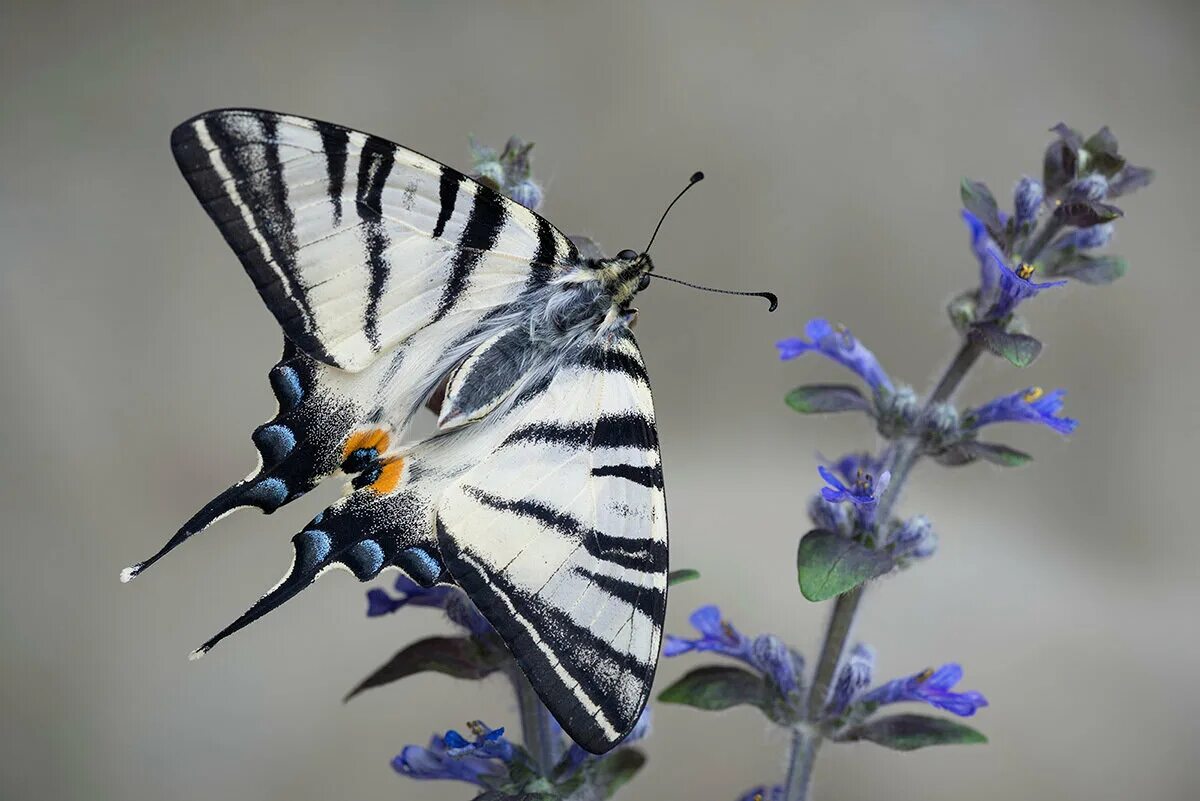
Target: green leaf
{"type": "Point", "coordinates": [1086, 213]}
{"type": "Point", "coordinates": [910, 732]}
{"type": "Point", "coordinates": [1102, 152]}
{"type": "Point", "coordinates": [829, 564]}
{"type": "Point", "coordinates": [996, 453]}
{"type": "Point", "coordinates": [682, 575]}
{"type": "Point", "coordinates": [610, 774]}
{"type": "Point", "coordinates": [1019, 349]}
{"type": "Point", "coordinates": [716, 687]}
{"type": "Point", "coordinates": [978, 199]}
{"type": "Point", "coordinates": [1094, 270]}
{"type": "Point", "coordinates": [820, 398]}
{"type": "Point", "coordinates": [460, 657]}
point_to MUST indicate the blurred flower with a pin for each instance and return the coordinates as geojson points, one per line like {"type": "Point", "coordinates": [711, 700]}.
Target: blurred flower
{"type": "Point", "coordinates": [717, 635]}
{"type": "Point", "coordinates": [411, 594]}
{"type": "Point", "coordinates": [914, 538]}
{"type": "Point", "coordinates": [763, 793]}
{"type": "Point", "coordinates": [1027, 200]}
{"type": "Point", "coordinates": [454, 601]}
{"type": "Point", "coordinates": [777, 662]}
{"type": "Point", "coordinates": [1031, 405]}
{"type": "Point", "coordinates": [838, 344]}
{"type": "Point", "coordinates": [488, 743]}
{"type": "Point", "coordinates": [437, 762]}
{"type": "Point", "coordinates": [1090, 187]}
{"type": "Point", "coordinates": [1096, 236]}
{"type": "Point", "coordinates": [864, 490]}
{"type": "Point", "coordinates": [852, 679]}
{"type": "Point", "coordinates": [1001, 287]}
{"type": "Point", "coordinates": [528, 194]}
{"type": "Point", "coordinates": [933, 687]}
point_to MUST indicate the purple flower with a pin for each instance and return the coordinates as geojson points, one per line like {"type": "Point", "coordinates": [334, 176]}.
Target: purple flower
{"type": "Point", "coordinates": [1095, 236]}
{"type": "Point", "coordinates": [780, 664]}
{"type": "Point", "coordinates": [717, 636]}
{"type": "Point", "coordinates": [458, 606]}
{"type": "Point", "coordinates": [1001, 287]}
{"type": "Point", "coordinates": [1031, 405]}
{"type": "Point", "coordinates": [437, 762]}
{"type": "Point", "coordinates": [411, 593]}
{"type": "Point", "coordinates": [1093, 186]}
{"type": "Point", "coordinates": [933, 687]}
{"type": "Point", "coordinates": [864, 490]}
{"type": "Point", "coordinates": [488, 743]}
{"type": "Point", "coordinates": [766, 653]}
{"type": "Point", "coordinates": [838, 344]}
{"type": "Point", "coordinates": [528, 194]}
{"type": "Point", "coordinates": [1027, 200]}
{"type": "Point", "coordinates": [914, 538]}
{"type": "Point", "coordinates": [852, 679]}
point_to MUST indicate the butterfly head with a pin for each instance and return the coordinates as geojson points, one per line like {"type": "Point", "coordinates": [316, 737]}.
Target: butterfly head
{"type": "Point", "coordinates": [624, 276]}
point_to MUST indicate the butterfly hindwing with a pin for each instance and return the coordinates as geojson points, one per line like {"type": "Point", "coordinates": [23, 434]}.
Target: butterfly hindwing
{"type": "Point", "coordinates": [559, 537]}
{"type": "Point", "coordinates": [355, 242]}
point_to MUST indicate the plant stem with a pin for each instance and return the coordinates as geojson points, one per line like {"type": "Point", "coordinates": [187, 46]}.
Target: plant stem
{"type": "Point", "coordinates": [805, 743]}
{"type": "Point", "coordinates": [537, 727]}
{"type": "Point", "coordinates": [806, 739]}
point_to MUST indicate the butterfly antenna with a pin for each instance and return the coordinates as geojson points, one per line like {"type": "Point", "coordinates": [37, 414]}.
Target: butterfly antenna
{"type": "Point", "coordinates": [769, 296]}
{"type": "Point", "coordinates": [696, 178]}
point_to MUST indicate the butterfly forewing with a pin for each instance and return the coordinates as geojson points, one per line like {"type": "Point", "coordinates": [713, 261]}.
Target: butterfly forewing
{"type": "Point", "coordinates": [559, 537]}
{"type": "Point", "coordinates": [354, 242]}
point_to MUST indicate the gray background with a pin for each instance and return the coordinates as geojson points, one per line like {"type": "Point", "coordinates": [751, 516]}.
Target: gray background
{"type": "Point", "coordinates": [134, 357]}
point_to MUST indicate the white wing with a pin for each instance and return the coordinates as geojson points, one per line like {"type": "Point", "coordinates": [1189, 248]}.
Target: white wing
{"type": "Point", "coordinates": [560, 539]}
{"type": "Point", "coordinates": [356, 243]}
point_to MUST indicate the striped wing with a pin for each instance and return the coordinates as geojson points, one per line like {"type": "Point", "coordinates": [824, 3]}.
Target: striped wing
{"type": "Point", "coordinates": [356, 243]}
{"type": "Point", "coordinates": [560, 539]}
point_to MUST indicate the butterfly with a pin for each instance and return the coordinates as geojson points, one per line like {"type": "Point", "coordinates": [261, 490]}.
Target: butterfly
{"type": "Point", "coordinates": [395, 277]}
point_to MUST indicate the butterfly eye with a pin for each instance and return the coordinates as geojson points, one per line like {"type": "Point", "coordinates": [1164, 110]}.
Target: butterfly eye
{"type": "Point", "coordinates": [627, 255]}
{"type": "Point", "coordinates": [644, 282]}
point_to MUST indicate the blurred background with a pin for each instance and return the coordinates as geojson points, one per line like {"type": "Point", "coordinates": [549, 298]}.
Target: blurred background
{"type": "Point", "coordinates": [135, 352]}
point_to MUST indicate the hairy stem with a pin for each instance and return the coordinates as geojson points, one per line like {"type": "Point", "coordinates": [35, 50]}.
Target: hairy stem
{"type": "Point", "coordinates": [805, 743]}
{"type": "Point", "coordinates": [537, 727]}
{"type": "Point", "coordinates": [806, 740]}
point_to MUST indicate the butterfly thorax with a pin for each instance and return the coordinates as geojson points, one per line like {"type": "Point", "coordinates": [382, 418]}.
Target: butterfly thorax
{"type": "Point", "coordinates": [597, 294]}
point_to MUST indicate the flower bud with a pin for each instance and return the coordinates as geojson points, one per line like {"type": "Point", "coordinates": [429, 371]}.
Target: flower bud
{"type": "Point", "coordinates": [528, 194]}
{"type": "Point", "coordinates": [1090, 187]}
{"type": "Point", "coordinates": [1027, 200]}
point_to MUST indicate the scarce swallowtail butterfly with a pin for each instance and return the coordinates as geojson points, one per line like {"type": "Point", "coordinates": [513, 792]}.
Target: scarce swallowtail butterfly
{"type": "Point", "coordinates": [541, 493]}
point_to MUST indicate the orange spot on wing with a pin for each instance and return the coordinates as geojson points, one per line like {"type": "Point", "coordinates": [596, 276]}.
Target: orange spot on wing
{"type": "Point", "coordinates": [389, 477]}
{"type": "Point", "coordinates": [368, 438]}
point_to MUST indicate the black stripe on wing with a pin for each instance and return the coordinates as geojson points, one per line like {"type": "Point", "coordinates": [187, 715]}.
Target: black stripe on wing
{"type": "Point", "coordinates": [374, 166]}
{"type": "Point", "coordinates": [336, 142]}
{"type": "Point", "coordinates": [648, 556]}
{"type": "Point", "coordinates": [484, 223]}
{"type": "Point", "coordinates": [252, 212]}
{"type": "Point", "coordinates": [547, 643]}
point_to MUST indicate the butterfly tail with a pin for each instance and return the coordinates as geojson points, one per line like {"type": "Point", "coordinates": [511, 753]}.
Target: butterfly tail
{"type": "Point", "coordinates": [298, 447]}
{"type": "Point", "coordinates": [363, 532]}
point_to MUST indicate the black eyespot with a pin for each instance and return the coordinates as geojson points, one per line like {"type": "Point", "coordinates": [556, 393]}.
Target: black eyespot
{"type": "Point", "coordinates": [643, 282]}
{"type": "Point", "coordinates": [627, 255]}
